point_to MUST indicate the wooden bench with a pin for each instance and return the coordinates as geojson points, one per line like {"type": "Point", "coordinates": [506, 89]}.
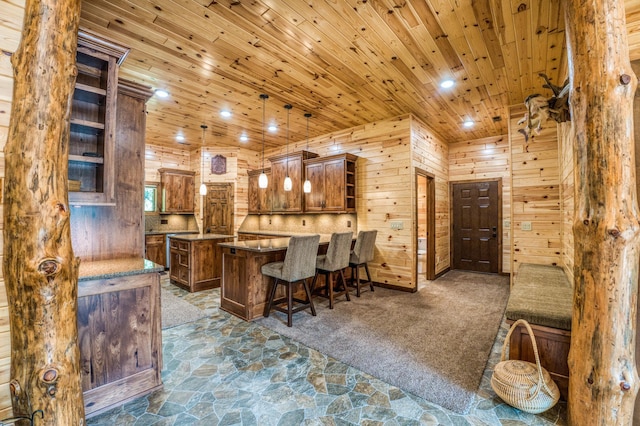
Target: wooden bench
{"type": "Point", "coordinates": [543, 296]}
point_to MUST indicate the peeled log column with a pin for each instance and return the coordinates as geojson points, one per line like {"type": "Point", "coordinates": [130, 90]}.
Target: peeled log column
{"type": "Point", "coordinates": [40, 270]}
{"type": "Point", "coordinates": [603, 379]}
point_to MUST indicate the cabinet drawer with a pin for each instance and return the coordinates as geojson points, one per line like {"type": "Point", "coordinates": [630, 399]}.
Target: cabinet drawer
{"type": "Point", "coordinates": [154, 239]}
{"type": "Point", "coordinates": [173, 244]}
{"type": "Point", "coordinates": [183, 245]}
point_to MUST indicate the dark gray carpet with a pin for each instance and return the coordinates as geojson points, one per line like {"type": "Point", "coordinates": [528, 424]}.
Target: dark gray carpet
{"type": "Point", "coordinates": [176, 311]}
{"type": "Point", "coordinates": [434, 343]}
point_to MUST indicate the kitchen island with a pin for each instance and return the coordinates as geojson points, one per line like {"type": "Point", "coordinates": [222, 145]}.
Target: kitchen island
{"type": "Point", "coordinates": [244, 290]}
{"type": "Point", "coordinates": [119, 331]}
{"type": "Point", "coordinates": [196, 260]}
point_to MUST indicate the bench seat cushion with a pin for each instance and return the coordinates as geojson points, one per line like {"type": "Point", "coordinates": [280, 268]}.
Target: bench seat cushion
{"type": "Point", "coordinates": [541, 295]}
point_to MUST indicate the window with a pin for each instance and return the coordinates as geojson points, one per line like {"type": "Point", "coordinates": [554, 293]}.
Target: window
{"type": "Point", "coordinates": [150, 200]}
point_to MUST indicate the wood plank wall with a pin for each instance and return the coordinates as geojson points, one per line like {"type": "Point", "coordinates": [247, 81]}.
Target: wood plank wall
{"type": "Point", "coordinates": [486, 159]}
{"type": "Point", "coordinates": [535, 195]}
{"type": "Point", "coordinates": [567, 195]}
{"type": "Point", "coordinates": [10, 32]}
{"type": "Point", "coordinates": [431, 154]}
{"type": "Point", "coordinates": [239, 161]}
{"type": "Point", "coordinates": [385, 166]}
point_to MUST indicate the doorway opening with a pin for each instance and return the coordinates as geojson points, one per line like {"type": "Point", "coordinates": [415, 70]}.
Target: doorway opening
{"type": "Point", "coordinates": [425, 254]}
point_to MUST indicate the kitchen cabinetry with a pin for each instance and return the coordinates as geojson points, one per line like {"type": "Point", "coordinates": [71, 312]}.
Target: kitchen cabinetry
{"type": "Point", "coordinates": [333, 184]}
{"type": "Point", "coordinates": [155, 249]}
{"type": "Point", "coordinates": [92, 122]}
{"type": "Point", "coordinates": [119, 332]}
{"type": "Point", "coordinates": [259, 198]}
{"type": "Point", "coordinates": [177, 188]}
{"type": "Point", "coordinates": [196, 261]}
{"type": "Point", "coordinates": [292, 165]}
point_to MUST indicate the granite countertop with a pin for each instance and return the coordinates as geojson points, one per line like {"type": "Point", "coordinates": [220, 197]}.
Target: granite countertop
{"type": "Point", "coordinates": [200, 237]}
{"type": "Point", "coordinates": [159, 232]}
{"type": "Point", "coordinates": [103, 269]}
{"type": "Point", "coordinates": [267, 245]}
{"type": "Point", "coordinates": [274, 233]}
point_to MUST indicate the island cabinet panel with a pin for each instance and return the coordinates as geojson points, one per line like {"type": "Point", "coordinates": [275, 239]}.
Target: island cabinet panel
{"type": "Point", "coordinates": [244, 291]}
{"type": "Point", "coordinates": [196, 264]}
{"type": "Point", "coordinates": [119, 335]}
{"type": "Point", "coordinates": [259, 199]}
{"type": "Point", "coordinates": [288, 165]}
{"type": "Point", "coordinates": [333, 184]}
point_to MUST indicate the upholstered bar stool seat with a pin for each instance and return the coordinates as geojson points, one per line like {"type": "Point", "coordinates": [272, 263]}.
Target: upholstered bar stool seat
{"type": "Point", "coordinates": [298, 265]}
{"type": "Point", "coordinates": [361, 254]}
{"type": "Point", "coordinates": [335, 261]}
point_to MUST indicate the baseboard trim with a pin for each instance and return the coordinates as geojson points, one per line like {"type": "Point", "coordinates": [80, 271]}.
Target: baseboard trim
{"type": "Point", "coordinates": [394, 287]}
{"type": "Point", "coordinates": [441, 273]}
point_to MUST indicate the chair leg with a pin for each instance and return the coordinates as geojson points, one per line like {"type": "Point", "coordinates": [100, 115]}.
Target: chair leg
{"type": "Point", "coordinates": [329, 279]}
{"type": "Point", "coordinates": [356, 271]}
{"type": "Point", "coordinates": [271, 296]}
{"type": "Point", "coordinates": [366, 268]}
{"type": "Point", "coordinates": [308, 291]}
{"type": "Point", "coordinates": [289, 304]}
{"type": "Point", "coordinates": [346, 287]}
{"type": "Point", "coordinates": [313, 283]}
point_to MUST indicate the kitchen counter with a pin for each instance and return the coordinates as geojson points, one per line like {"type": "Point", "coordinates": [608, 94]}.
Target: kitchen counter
{"type": "Point", "coordinates": [271, 244]}
{"type": "Point", "coordinates": [201, 237]}
{"type": "Point", "coordinates": [183, 231]}
{"type": "Point", "coordinates": [105, 269]}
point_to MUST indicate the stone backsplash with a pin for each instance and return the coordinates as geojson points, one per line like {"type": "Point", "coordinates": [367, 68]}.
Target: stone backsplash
{"type": "Point", "coordinates": [301, 223]}
{"type": "Point", "coordinates": [175, 222]}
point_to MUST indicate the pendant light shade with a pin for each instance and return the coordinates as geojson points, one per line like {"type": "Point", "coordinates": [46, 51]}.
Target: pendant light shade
{"type": "Point", "coordinates": [263, 181]}
{"type": "Point", "coordinates": [203, 187]}
{"type": "Point", "coordinates": [288, 185]}
{"type": "Point", "coordinates": [306, 187]}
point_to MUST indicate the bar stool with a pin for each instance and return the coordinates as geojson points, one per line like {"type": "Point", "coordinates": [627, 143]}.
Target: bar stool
{"type": "Point", "coordinates": [336, 260]}
{"type": "Point", "coordinates": [298, 265]}
{"type": "Point", "coordinates": [361, 254]}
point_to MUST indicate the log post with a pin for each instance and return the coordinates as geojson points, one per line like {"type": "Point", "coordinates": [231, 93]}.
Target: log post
{"type": "Point", "coordinates": [603, 380]}
{"type": "Point", "coordinates": [40, 270]}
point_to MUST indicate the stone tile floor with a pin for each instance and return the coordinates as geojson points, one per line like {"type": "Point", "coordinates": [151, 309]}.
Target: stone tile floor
{"type": "Point", "coordinates": [221, 370]}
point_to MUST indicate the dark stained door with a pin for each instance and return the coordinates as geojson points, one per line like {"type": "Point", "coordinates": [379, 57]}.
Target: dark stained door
{"type": "Point", "coordinates": [475, 226]}
{"type": "Point", "coordinates": [218, 209]}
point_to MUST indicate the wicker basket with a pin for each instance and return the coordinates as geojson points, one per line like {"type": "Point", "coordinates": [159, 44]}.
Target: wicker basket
{"type": "Point", "coordinates": [522, 384]}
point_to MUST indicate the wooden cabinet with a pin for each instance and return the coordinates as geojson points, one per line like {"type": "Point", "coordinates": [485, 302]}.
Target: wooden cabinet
{"type": "Point", "coordinates": [177, 189]}
{"type": "Point", "coordinates": [92, 123]}
{"type": "Point", "coordinates": [120, 339]}
{"type": "Point", "coordinates": [196, 264]}
{"type": "Point", "coordinates": [333, 184]}
{"type": "Point", "coordinates": [155, 249]}
{"type": "Point", "coordinates": [259, 198]}
{"type": "Point", "coordinates": [292, 165]}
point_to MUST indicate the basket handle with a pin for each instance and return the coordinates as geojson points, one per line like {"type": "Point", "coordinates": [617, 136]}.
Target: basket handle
{"type": "Point", "coordinates": [507, 342]}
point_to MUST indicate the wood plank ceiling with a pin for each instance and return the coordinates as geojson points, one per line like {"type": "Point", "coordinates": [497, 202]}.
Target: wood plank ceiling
{"type": "Point", "coordinates": [347, 62]}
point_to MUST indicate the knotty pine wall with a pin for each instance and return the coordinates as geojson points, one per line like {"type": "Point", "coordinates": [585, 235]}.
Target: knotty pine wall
{"type": "Point", "coordinates": [431, 154]}
{"type": "Point", "coordinates": [486, 159]}
{"type": "Point", "coordinates": [10, 32]}
{"type": "Point", "coordinates": [387, 153]}
{"type": "Point", "coordinates": [567, 195]}
{"type": "Point", "coordinates": [535, 194]}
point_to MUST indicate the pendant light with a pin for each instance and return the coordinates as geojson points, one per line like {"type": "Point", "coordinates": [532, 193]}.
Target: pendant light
{"type": "Point", "coordinates": [203, 187]}
{"type": "Point", "coordinates": [287, 180]}
{"type": "Point", "coordinates": [263, 181]}
{"type": "Point", "coordinates": [306, 187]}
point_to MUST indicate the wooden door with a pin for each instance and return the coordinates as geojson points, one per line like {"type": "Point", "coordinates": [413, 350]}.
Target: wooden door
{"type": "Point", "coordinates": [475, 242]}
{"type": "Point", "coordinates": [218, 209]}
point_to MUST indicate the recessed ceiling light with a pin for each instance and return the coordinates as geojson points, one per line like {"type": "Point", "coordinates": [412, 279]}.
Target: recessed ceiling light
{"type": "Point", "coordinates": [225, 113]}
{"type": "Point", "coordinates": [272, 127]}
{"type": "Point", "coordinates": [180, 138]}
{"type": "Point", "coordinates": [243, 138]}
{"type": "Point", "coordinates": [161, 93]}
{"type": "Point", "coordinates": [445, 84]}
{"type": "Point", "coordinates": [468, 123]}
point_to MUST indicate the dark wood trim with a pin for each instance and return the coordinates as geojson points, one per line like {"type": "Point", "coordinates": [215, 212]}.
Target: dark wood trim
{"type": "Point", "coordinates": [395, 287]}
{"type": "Point", "coordinates": [431, 224]}
{"type": "Point", "coordinates": [441, 273]}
